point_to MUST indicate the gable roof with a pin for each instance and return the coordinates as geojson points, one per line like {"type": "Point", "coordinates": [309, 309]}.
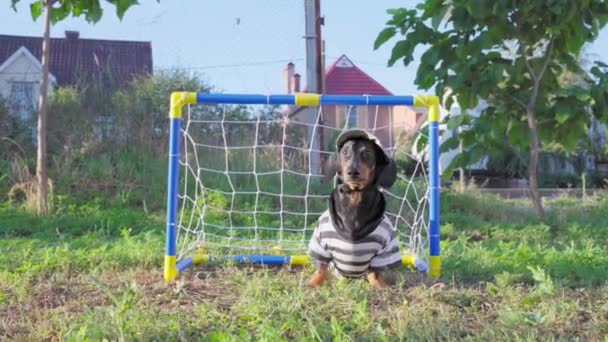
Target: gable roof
{"type": "Point", "coordinates": [22, 51]}
{"type": "Point", "coordinates": [343, 77]}
{"type": "Point", "coordinates": [73, 58]}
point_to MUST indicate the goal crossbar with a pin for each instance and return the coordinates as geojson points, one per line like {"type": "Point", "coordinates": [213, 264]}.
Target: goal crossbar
{"type": "Point", "coordinates": [172, 266]}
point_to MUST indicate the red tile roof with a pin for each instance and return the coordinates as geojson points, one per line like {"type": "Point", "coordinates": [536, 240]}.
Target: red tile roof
{"type": "Point", "coordinates": [74, 58]}
{"type": "Point", "coordinates": [344, 77]}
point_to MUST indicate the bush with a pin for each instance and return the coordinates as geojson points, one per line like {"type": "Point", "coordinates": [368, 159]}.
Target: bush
{"type": "Point", "coordinates": [16, 135]}
{"type": "Point", "coordinates": [508, 163]}
{"type": "Point", "coordinates": [139, 115]}
{"type": "Point", "coordinates": [561, 180]}
{"type": "Point", "coordinates": [70, 125]}
{"type": "Point", "coordinates": [408, 165]}
{"type": "Point", "coordinates": [103, 142]}
{"type": "Point", "coordinates": [564, 180]}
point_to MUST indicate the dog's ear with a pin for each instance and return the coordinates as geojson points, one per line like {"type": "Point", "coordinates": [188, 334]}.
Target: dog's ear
{"type": "Point", "coordinates": [330, 168]}
{"type": "Point", "coordinates": [386, 174]}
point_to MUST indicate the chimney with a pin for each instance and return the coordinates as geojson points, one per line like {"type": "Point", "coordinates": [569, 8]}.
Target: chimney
{"type": "Point", "coordinates": [72, 35]}
{"type": "Point", "coordinates": [296, 83]}
{"type": "Point", "coordinates": [288, 76]}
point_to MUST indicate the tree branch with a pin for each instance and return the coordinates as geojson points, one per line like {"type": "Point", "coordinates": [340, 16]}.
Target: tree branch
{"type": "Point", "coordinates": [518, 101]}
{"type": "Point", "coordinates": [526, 61]}
{"type": "Point", "coordinates": [538, 77]}
{"type": "Point", "coordinates": [548, 54]}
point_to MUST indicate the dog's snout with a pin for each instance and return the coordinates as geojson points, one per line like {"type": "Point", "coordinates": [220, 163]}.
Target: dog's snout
{"type": "Point", "coordinates": [352, 171]}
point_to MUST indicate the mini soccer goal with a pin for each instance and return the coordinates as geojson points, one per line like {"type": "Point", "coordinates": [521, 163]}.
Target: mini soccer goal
{"type": "Point", "coordinates": [246, 179]}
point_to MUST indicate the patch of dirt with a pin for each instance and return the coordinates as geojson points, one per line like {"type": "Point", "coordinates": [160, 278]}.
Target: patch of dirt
{"type": "Point", "coordinates": [413, 279]}
{"type": "Point", "coordinates": [55, 302]}
{"type": "Point", "coordinates": [71, 295]}
{"type": "Point", "coordinates": [212, 284]}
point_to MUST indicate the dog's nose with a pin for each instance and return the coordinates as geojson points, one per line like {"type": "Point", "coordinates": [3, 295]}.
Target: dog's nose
{"type": "Point", "coordinates": [352, 172]}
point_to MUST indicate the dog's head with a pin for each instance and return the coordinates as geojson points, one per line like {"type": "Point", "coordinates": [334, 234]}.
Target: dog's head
{"type": "Point", "coordinates": [360, 162]}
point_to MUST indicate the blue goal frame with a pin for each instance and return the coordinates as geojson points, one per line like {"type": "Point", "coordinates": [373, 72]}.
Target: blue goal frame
{"type": "Point", "coordinates": [173, 267]}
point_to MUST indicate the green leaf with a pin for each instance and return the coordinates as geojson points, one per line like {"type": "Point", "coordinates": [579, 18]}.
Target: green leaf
{"type": "Point", "coordinates": [450, 144]}
{"type": "Point", "coordinates": [122, 6]}
{"type": "Point", "coordinates": [431, 57]}
{"type": "Point", "coordinates": [398, 16]}
{"type": "Point", "coordinates": [602, 64]}
{"type": "Point", "coordinates": [60, 13]}
{"type": "Point", "coordinates": [36, 9]}
{"type": "Point", "coordinates": [464, 100]}
{"type": "Point", "coordinates": [562, 116]}
{"type": "Point", "coordinates": [403, 49]}
{"type": "Point", "coordinates": [93, 13]}
{"type": "Point", "coordinates": [479, 8]}
{"type": "Point", "coordinates": [517, 132]}
{"type": "Point", "coordinates": [438, 17]}
{"type": "Point", "coordinates": [573, 135]}
{"type": "Point", "coordinates": [474, 155]}
{"type": "Point", "coordinates": [77, 11]}
{"type": "Point", "coordinates": [384, 36]}
{"type": "Point", "coordinates": [453, 165]}
{"type": "Point", "coordinates": [456, 121]}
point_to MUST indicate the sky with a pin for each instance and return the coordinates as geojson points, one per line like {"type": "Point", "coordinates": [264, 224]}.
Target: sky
{"type": "Point", "coordinates": [243, 45]}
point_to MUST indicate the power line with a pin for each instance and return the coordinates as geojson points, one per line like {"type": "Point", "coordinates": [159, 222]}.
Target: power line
{"type": "Point", "coordinates": [235, 65]}
{"type": "Point", "coordinates": [219, 66]}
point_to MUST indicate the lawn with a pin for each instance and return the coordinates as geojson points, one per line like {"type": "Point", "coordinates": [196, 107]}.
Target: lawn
{"type": "Point", "coordinates": [90, 272]}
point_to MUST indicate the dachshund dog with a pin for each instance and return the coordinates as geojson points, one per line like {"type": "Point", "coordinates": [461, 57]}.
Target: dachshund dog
{"type": "Point", "coordinates": [354, 238]}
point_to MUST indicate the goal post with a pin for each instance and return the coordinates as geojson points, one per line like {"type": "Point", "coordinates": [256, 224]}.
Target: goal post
{"type": "Point", "coordinates": [197, 200]}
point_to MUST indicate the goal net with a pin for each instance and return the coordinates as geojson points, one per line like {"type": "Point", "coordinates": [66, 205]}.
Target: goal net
{"type": "Point", "coordinates": [248, 177]}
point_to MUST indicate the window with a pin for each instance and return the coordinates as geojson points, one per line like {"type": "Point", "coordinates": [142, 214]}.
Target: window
{"type": "Point", "coordinates": [21, 99]}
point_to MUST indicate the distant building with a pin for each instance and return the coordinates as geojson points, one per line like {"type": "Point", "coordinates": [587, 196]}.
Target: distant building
{"type": "Point", "coordinates": [72, 59]}
{"type": "Point", "coordinates": [389, 123]}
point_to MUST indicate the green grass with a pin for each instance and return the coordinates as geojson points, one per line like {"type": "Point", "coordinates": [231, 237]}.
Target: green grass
{"type": "Point", "coordinates": [90, 272]}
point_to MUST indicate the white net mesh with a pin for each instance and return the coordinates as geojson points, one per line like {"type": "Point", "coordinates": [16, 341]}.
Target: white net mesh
{"type": "Point", "coordinates": [251, 178]}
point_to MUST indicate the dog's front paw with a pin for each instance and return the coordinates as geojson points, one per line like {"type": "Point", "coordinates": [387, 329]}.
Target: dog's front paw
{"type": "Point", "coordinates": [376, 280]}
{"type": "Point", "coordinates": [316, 279]}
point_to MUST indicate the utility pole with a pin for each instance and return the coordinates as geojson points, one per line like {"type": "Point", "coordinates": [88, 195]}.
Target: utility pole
{"type": "Point", "coordinates": [319, 21]}
{"type": "Point", "coordinates": [313, 59]}
{"type": "Point", "coordinates": [320, 68]}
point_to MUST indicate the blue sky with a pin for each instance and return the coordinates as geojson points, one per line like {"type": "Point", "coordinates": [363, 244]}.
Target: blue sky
{"type": "Point", "coordinates": [243, 45]}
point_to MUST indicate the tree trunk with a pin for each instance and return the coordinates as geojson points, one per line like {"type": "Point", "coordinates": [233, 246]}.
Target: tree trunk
{"type": "Point", "coordinates": [534, 143]}
{"type": "Point", "coordinates": [41, 175]}
{"type": "Point", "coordinates": [533, 166]}
{"type": "Point", "coordinates": [463, 180]}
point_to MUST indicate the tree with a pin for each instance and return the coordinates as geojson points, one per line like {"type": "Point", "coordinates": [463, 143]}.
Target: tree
{"type": "Point", "coordinates": [509, 55]}
{"type": "Point", "coordinates": [55, 11]}
{"type": "Point", "coordinates": [139, 114]}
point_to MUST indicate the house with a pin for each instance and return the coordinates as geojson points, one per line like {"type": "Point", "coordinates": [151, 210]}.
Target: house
{"type": "Point", "coordinates": [393, 125]}
{"type": "Point", "coordinates": [72, 59]}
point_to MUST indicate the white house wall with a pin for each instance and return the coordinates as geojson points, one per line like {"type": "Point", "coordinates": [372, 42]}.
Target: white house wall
{"type": "Point", "coordinates": [21, 67]}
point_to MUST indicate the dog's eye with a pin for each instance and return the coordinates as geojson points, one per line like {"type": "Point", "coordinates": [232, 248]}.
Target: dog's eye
{"type": "Point", "coordinates": [366, 154]}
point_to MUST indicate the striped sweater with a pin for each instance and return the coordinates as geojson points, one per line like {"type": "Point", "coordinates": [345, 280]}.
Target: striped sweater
{"type": "Point", "coordinates": [376, 252]}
